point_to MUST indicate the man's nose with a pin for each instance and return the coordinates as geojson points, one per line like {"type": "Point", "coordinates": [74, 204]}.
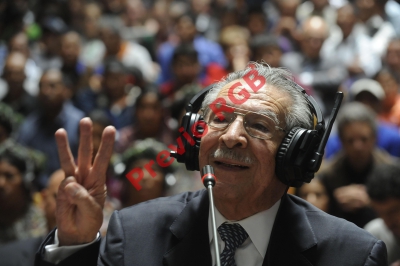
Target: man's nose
{"type": "Point", "coordinates": [235, 135]}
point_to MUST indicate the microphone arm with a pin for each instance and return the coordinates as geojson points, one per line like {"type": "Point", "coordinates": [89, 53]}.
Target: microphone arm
{"type": "Point", "coordinates": [209, 181]}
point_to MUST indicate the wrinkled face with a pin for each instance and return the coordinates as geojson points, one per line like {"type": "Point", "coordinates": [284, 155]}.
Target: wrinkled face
{"type": "Point", "coordinates": [11, 189]}
{"type": "Point", "coordinates": [238, 177]}
{"type": "Point", "coordinates": [316, 194]}
{"type": "Point", "coordinates": [389, 211]}
{"type": "Point", "coordinates": [358, 142]}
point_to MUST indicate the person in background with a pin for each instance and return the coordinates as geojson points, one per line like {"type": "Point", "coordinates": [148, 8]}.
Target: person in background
{"type": "Point", "coordinates": [383, 188]}
{"type": "Point", "coordinates": [323, 74]}
{"type": "Point", "coordinates": [390, 110]}
{"type": "Point", "coordinates": [185, 68]}
{"type": "Point", "coordinates": [151, 187]}
{"type": "Point", "coordinates": [13, 85]}
{"type": "Point", "coordinates": [19, 217]}
{"type": "Point", "coordinates": [392, 58]}
{"type": "Point", "coordinates": [351, 47]}
{"type": "Point", "coordinates": [185, 29]}
{"type": "Point", "coordinates": [37, 131]}
{"type": "Point", "coordinates": [130, 54]}
{"type": "Point", "coordinates": [150, 122]}
{"type": "Point", "coordinates": [315, 193]}
{"type": "Point", "coordinates": [321, 8]}
{"type": "Point", "coordinates": [22, 252]}
{"type": "Point", "coordinates": [370, 93]}
{"type": "Point", "coordinates": [267, 48]}
{"type": "Point", "coordinates": [344, 175]}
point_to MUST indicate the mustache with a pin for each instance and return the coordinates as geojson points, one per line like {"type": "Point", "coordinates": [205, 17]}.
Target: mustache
{"type": "Point", "coordinates": [223, 153]}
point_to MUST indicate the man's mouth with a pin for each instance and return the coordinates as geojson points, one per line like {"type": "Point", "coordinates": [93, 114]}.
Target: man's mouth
{"type": "Point", "coordinates": [231, 165]}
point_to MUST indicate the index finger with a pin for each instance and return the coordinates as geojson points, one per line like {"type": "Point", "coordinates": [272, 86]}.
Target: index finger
{"type": "Point", "coordinates": [103, 156]}
{"type": "Point", "coordinates": [64, 153]}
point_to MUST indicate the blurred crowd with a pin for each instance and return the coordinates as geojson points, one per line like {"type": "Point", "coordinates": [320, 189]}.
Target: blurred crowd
{"type": "Point", "coordinates": [135, 64]}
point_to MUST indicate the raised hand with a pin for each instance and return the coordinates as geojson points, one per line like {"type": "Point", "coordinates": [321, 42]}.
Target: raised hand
{"type": "Point", "coordinates": [81, 195]}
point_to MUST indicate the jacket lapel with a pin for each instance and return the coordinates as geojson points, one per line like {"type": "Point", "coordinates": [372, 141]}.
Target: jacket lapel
{"type": "Point", "coordinates": [191, 230]}
{"type": "Point", "coordinates": [292, 239]}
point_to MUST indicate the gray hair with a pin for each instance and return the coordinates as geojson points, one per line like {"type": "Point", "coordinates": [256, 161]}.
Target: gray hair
{"type": "Point", "coordinates": [354, 112]}
{"type": "Point", "coordinates": [299, 113]}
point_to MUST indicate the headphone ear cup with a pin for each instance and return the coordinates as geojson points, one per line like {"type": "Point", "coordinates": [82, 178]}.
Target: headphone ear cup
{"type": "Point", "coordinates": [195, 131]}
{"type": "Point", "coordinates": [281, 156]}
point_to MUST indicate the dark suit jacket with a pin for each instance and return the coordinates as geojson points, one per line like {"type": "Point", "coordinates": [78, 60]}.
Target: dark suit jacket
{"type": "Point", "coordinates": [174, 231]}
{"type": "Point", "coordinates": [20, 252]}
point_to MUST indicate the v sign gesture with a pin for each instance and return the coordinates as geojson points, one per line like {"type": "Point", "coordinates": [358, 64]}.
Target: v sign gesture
{"type": "Point", "coordinates": [82, 194]}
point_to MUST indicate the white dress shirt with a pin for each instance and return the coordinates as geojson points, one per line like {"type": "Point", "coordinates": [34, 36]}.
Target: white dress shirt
{"type": "Point", "coordinates": [258, 227]}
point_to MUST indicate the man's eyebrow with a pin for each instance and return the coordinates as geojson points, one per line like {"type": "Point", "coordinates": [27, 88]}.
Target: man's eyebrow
{"type": "Point", "coordinates": [270, 114]}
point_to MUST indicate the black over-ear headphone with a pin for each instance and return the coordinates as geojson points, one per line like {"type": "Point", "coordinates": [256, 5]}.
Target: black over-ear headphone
{"type": "Point", "coordinates": [299, 155]}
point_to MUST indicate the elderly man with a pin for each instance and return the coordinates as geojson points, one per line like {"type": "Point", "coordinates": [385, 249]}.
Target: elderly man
{"type": "Point", "coordinates": [271, 227]}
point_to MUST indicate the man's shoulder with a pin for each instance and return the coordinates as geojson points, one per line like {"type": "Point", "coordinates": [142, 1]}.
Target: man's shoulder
{"type": "Point", "coordinates": [330, 229]}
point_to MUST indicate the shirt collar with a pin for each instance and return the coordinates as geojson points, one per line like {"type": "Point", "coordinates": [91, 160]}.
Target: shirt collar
{"type": "Point", "coordinates": [258, 226]}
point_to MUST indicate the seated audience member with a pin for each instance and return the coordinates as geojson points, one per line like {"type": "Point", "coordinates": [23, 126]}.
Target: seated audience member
{"type": "Point", "coordinates": [185, 68]}
{"type": "Point", "coordinates": [323, 74]}
{"type": "Point", "coordinates": [37, 131]}
{"type": "Point", "coordinates": [375, 24]}
{"type": "Point", "coordinates": [344, 175]}
{"type": "Point", "coordinates": [208, 51]}
{"type": "Point", "coordinates": [22, 252]}
{"type": "Point", "coordinates": [315, 193]}
{"type": "Point", "coordinates": [113, 96]}
{"type": "Point", "coordinates": [151, 185]}
{"type": "Point", "coordinates": [267, 48]}
{"type": "Point", "coordinates": [351, 47]}
{"type": "Point", "coordinates": [150, 122]}
{"type": "Point", "coordinates": [370, 93]}
{"type": "Point", "coordinates": [286, 27]}
{"type": "Point", "coordinates": [13, 90]}
{"type": "Point", "coordinates": [19, 217]}
{"type": "Point", "coordinates": [20, 43]}
{"type": "Point", "coordinates": [235, 43]}
{"type": "Point", "coordinates": [130, 54]}
{"type": "Point", "coordinates": [46, 52]}
{"type": "Point", "coordinates": [390, 110]}
{"type": "Point", "coordinates": [383, 188]}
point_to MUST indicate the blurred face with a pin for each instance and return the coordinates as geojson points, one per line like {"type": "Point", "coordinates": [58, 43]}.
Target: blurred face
{"type": "Point", "coordinates": [11, 188]}
{"type": "Point", "coordinates": [314, 34]}
{"type": "Point", "coordinates": [152, 187]}
{"type": "Point", "coordinates": [393, 55]}
{"type": "Point", "coordinates": [19, 43]}
{"type": "Point", "coordinates": [390, 86]}
{"type": "Point", "coordinates": [185, 70]}
{"type": "Point", "coordinates": [149, 114]}
{"type": "Point", "coordinates": [358, 142]}
{"type": "Point", "coordinates": [70, 48]}
{"type": "Point", "coordinates": [271, 55]}
{"type": "Point", "coordinates": [389, 211]}
{"type": "Point", "coordinates": [91, 17]}
{"type": "Point", "coordinates": [114, 84]}
{"type": "Point", "coordinates": [316, 194]}
{"type": "Point", "coordinates": [346, 19]}
{"type": "Point", "coordinates": [185, 29]}
{"type": "Point", "coordinates": [111, 40]}
{"type": "Point", "coordinates": [52, 92]}
{"type": "Point", "coordinates": [248, 173]}
{"type": "Point", "coordinates": [14, 71]}
{"type": "Point", "coordinates": [256, 24]}
{"type": "Point", "coordinates": [320, 4]}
